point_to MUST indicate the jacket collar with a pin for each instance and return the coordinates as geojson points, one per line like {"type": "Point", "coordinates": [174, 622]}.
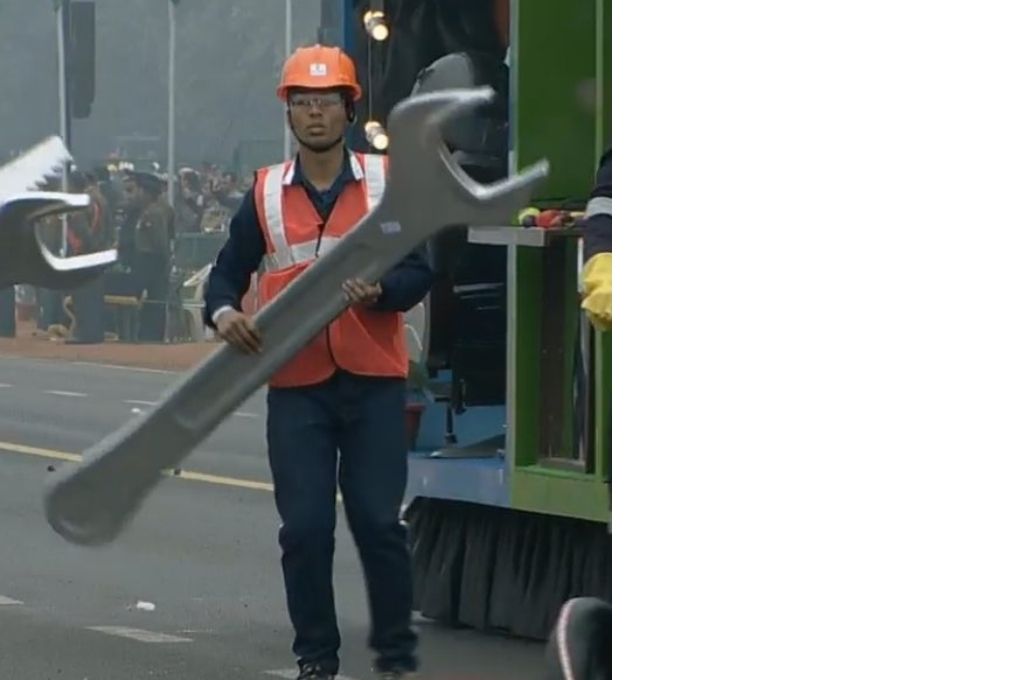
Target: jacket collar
{"type": "Point", "coordinates": [351, 171]}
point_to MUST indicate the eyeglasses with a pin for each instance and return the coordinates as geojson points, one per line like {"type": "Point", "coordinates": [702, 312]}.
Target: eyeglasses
{"type": "Point", "coordinates": [321, 101]}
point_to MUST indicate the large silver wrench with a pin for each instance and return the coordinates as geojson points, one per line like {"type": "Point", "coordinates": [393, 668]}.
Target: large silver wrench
{"type": "Point", "coordinates": [91, 502]}
{"type": "Point", "coordinates": [24, 258]}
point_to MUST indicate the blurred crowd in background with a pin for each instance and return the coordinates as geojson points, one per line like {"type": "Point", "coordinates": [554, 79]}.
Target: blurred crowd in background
{"type": "Point", "coordinates": [164, 252]}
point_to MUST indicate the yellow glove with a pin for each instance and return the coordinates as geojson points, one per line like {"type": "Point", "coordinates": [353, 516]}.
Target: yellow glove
{"type": "Point", "coordinates": [597, 290]}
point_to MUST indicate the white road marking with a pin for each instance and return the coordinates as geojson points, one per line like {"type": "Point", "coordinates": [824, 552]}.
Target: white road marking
{"type": "Point", "coordinates": [124, 368]}
{"type": "Point", "coordinates": [291, 674]}
{"type": "Point", "coordinates": [62, 393]}
{"type": "Point", "coordinates": [143, 402]}
{"type": "Point", "coordinates": [9, 601]}
{"type": "Point", "coordinates": [139, 635]}
{"type": "Point", "coordinates": [6, 385]}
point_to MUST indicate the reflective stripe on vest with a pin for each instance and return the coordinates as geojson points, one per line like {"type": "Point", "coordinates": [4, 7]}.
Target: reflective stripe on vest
{"type": "Point", "coordinates": [374, 180]}
{"type": "Point", "coordinates": [579, 266]}
{"type": "Point", "coordinates": [599, 205]}
{"type": "Point", "coordinates": [297, 254]}
{"type": "Point", "coordinates": [278, 176]}
{"type": "Point", "coordinates": [273, 205]}
{"type": "Point", "coordinates": [375, 175]}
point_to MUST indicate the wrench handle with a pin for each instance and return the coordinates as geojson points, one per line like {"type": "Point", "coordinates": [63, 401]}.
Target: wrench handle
{"type": "Point", "coordinates": [89, 503]}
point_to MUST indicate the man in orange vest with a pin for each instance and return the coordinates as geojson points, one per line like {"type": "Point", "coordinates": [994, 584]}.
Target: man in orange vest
{"type": "Point", "coordinates": [335, 410]}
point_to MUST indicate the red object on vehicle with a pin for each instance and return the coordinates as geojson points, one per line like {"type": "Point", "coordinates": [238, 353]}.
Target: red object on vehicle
{"type": "Point", "coordinates": [550, 219]}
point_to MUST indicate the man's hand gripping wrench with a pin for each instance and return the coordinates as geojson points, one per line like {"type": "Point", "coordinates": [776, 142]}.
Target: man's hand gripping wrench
{"type": "Point", "coordinates": [91, 502]}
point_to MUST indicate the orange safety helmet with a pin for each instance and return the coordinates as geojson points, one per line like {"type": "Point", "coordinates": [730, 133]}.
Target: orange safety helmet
{"type": "Point", "coordinates": [320, 67]}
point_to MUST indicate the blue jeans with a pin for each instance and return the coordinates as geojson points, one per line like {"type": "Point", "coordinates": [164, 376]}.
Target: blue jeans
{"type": "Point", "coordinates": [362, 419]}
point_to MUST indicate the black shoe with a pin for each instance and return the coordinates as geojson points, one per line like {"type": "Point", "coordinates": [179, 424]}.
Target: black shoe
{"type": "Point", "coordinates": [314, 671]}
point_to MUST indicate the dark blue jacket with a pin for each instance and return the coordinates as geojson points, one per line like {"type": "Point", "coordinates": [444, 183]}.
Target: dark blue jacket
{"type": "Point", "coordinates": [402, 288]}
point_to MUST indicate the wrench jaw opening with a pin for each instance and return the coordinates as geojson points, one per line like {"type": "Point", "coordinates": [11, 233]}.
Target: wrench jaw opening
{"type": "Point", "coordinates": [420, 158]}
{"type": "Point", "coordinates": [417, 149]}
{"type": "Point", "coordinates": [417, 122]}
{"type": "Point", "coordinates": [79, 265]}
{"type": "Point", "coordinates": [502, 199]}
{"type": "Point", "coordinates": [25, 259]}
{"type": "Point", "coordinates": [30, 206]}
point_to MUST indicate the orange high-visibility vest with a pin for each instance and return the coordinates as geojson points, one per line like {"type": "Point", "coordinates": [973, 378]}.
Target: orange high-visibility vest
{"type": "Point", "coordinates": [362, 340]}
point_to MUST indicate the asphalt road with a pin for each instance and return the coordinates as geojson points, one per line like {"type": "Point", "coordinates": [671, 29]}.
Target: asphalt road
{"type": "Point", "coordinates": [193, 588]}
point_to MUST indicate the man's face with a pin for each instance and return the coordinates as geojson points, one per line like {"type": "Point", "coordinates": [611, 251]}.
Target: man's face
{"type": "Point", "coordinates": [318, 118]}
{"type": "Point", "coordinates": [133, 193]}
